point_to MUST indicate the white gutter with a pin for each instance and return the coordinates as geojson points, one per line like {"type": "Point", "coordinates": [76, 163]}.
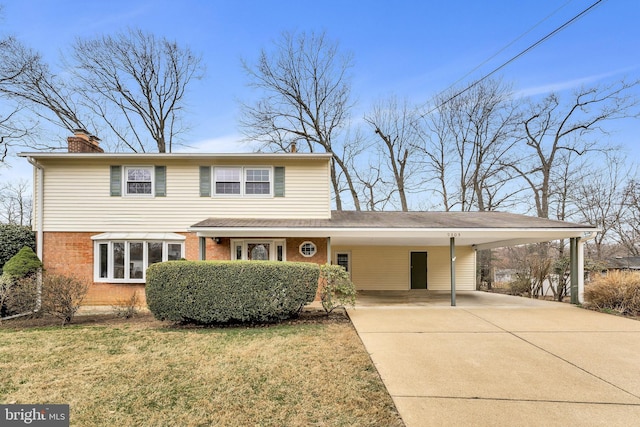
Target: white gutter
{"type": "Point", "coordinates": [39, 236]}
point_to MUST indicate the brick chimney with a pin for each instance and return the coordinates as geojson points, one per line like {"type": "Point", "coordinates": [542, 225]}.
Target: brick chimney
{"type": "Point", "coordinates": [83, 142]}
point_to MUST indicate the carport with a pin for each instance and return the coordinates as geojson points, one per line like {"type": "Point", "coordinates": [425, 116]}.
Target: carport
{"type": "Point", "coordinates": [376, 247]}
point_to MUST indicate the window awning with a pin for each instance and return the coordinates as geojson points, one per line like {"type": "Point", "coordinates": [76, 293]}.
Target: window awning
{"type": "Point", "coordinates": [138, 236]}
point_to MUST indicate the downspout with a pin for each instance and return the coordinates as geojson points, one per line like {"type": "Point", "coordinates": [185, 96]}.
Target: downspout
{"type": "Point", "coordinates": [39, 237]}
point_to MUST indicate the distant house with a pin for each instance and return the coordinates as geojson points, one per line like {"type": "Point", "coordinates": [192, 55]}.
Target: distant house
{"type": "Point", "coordinates": [105, 217]}
{"type": "Point", "coordinates": [624, 263]}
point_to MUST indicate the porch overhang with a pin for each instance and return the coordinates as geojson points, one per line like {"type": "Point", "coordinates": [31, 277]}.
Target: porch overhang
{"type": "Point", "coordinates": [484, 238]}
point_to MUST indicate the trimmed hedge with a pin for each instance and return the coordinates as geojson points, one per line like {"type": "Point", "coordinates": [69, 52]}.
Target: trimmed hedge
{"type": "Point", "coordinates": [210, 292]}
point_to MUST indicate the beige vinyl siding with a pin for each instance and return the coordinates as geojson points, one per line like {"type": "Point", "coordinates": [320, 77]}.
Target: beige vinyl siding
{"type": "Point", "coordinates": [388, 267]}
{"type": "Point", "coordinates": [77, 197]}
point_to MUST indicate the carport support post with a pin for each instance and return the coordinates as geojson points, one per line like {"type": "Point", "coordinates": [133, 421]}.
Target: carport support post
{"type": "Point", "coordinates": [573, 255]}
{"type": "Point", "coordinates": [452, 252]}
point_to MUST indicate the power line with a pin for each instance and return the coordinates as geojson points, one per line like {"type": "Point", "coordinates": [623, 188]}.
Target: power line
{"type": "Point", "coordinates": [531, 47]}
{"type": "Point", "coordinates": [506, 47]}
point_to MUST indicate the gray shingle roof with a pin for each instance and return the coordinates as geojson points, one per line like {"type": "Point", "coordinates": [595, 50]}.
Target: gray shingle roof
{"type": "Point", "coordinates": [432, 220]}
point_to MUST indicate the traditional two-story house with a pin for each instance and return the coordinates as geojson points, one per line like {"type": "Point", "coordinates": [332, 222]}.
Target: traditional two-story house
{"type": "Point", "coordinates": [105, 217]}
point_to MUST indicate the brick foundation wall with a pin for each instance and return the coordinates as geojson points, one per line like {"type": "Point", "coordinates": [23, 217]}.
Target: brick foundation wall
{"type": "Point", "coordinates": [71, 254]}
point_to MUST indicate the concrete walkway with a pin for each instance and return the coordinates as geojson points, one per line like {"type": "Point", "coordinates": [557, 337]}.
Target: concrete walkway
{"type": "Point", "coordinates": [496, 360]}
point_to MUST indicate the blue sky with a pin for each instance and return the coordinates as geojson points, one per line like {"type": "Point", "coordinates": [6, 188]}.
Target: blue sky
{"type": "Point", "coordinates": [412, 49]}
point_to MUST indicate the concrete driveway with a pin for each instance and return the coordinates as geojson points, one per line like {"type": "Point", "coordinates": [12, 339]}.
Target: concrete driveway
{"type": "Point", "coordinates": [498, 360]}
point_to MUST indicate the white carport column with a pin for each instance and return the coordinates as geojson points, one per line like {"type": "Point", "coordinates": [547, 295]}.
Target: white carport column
{"type": "Point", "coordinates": [580, 271]}
{"type": "Point", "coordinates": [452, 252]}
{"type": "Point", "coordinates": [576, 254]}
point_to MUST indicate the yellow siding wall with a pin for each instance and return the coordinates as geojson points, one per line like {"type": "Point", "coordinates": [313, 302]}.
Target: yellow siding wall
{"type": "Point", "coordinates": [76, 197]}
{"type": "Point", "coordinates": [388, 267]}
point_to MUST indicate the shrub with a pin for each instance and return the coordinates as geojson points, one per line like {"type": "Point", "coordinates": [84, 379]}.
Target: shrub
{"type": "Point", "coordinates": [336, 288]}
{"type": "Point", "coordinates": [520, 286]}
{"type": "Point", "coordinates": [618, 291]}
{"type": "Point", "coordinates": [23, 264]}
{"type": "Point", "coordinates": [14, 238]}
{"type": "Point", "coordinates": [127, 308]}
{"type": "Point", "coordinates": [18, 295]}
{"type": "Point", "coordinates": [62, 296]}
{"type": "Point", "coordinates": [229, 291]}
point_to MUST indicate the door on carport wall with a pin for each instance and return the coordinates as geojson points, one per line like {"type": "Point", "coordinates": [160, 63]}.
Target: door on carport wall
{"type": "Point", "coordinates": [418, 270]}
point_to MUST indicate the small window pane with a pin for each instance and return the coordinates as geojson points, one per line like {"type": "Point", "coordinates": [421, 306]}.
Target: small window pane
{"type": "Point", "coordinates": [227, 188]}
{"type": "Point", "coordinates": [280, 253]}
{"type": "Point", "coordinates": [118, 260]}
{"type": "Point", "coordinates": [343, 261]}
{"type": "Point", "coordinates": [308, 249]}
{"type": "Point", "coordinates": [174, 251]}
{"type": "Point", "coordinates": [136, 260]}
{"type": "Point", "coordinates": [257, 188]}
{"type": "Point", "coordinates": [154, 252]}
{"type": "Point", "coordinates": [258, 251]}
{"type": "Point", "coordinates": [103, 254]}
{"type": "Point", "coordinates": [238, 251]}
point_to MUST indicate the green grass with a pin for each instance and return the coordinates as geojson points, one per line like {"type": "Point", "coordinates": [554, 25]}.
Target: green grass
{"type": "Point", "coordinates": [143, 373]}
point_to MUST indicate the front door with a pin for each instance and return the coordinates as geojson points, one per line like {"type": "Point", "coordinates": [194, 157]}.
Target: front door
{"type": "Point", "coordinates": [418, 270]}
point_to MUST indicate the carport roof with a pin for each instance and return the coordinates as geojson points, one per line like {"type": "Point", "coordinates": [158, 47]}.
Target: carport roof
{"type": "Point", "coordinates": [482, 229]}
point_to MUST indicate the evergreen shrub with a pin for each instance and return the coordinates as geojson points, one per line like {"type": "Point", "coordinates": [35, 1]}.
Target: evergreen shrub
{"type": "Point", "coordinates": [211, 292]}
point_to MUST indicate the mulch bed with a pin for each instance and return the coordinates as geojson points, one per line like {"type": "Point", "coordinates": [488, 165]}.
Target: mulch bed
{"type": "Point", "coordinates": [146, 319]}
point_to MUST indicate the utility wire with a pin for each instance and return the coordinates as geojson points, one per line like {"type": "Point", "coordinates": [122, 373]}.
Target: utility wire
{"type": "Point", "coordinates": [506, 47]}
{"type": "Point", "coordinates": [531, 47]}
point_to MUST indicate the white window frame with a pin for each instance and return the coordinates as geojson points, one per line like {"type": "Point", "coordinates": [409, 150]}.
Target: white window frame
{"type": "Point", "coordinates": [308, 242]}
{"type": "Point", "coordinates": [145, 258]}
{"type": "Point", "coordinates": [243, 181]}
{"type": "Point", "coordinates": [125, 176]}
{"type": "Point", "coordinates": [273, 253]}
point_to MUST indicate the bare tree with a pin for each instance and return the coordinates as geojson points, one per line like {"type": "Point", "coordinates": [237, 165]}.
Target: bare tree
{"type": "Point", "coordinates": [15, 203]}
{"type": "Point", "coordinates": [397, 128]}
{"type": "Point", "coordinates": [471, 139]}
{"type": "Point", "coordinates": [305, 99]}
{"type": "Point", "coordinates": [128, 88]}
{"type": "Point", "coordinates": [600, 198]}
{"type": "Point", "coordinates": [142, 77]}
{"type": "Point", "coordinates": [552, 128]}
{"type": "Point", "coordinates": [628, 227]}
{"type": "Point", "coordinates": [25, 79]}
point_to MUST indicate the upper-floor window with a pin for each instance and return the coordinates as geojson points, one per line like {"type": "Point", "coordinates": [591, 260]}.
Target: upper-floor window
{"type": "Point", "coordinates": [139, 180]}
{"type": "Point", "coordinates": [146, 181]}
{"type": "Point", "coordinates": [242, 180]}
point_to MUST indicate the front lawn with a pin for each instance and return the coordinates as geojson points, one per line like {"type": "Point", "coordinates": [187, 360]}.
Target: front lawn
{"type": "Point", "coordinates": [142, 372]}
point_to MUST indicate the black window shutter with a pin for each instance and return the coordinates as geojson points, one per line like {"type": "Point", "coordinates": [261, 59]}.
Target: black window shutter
{"type": "Point", "coordinates": [116, 181]}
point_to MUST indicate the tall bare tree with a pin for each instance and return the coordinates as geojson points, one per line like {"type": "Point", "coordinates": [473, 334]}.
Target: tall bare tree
{"type": "Point", "coordinates": [304, 99]}
{"type": "Point", "coordinates": [471, 137]}
{"type": "Point", "coordinates": [600, 197]}
{"type": "Point", "coordinates": [397, 127]}
{"type": "Point", "coordinates": [129, 88]}
{"type": "Point", "coordinates": [144, 78]}
{"type": "Point", "coordinates": [552, 128]}
{"type": "Point", "coordinates": [16, 203]}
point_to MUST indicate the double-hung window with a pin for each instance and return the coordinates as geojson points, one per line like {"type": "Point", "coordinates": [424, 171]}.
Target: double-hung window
{"type": "Point", "coordinates": [241, 181]}
{"type": "Point", "coordinates": [139, 180]}
{"type": "Point", "coordinates": [227, 180]}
